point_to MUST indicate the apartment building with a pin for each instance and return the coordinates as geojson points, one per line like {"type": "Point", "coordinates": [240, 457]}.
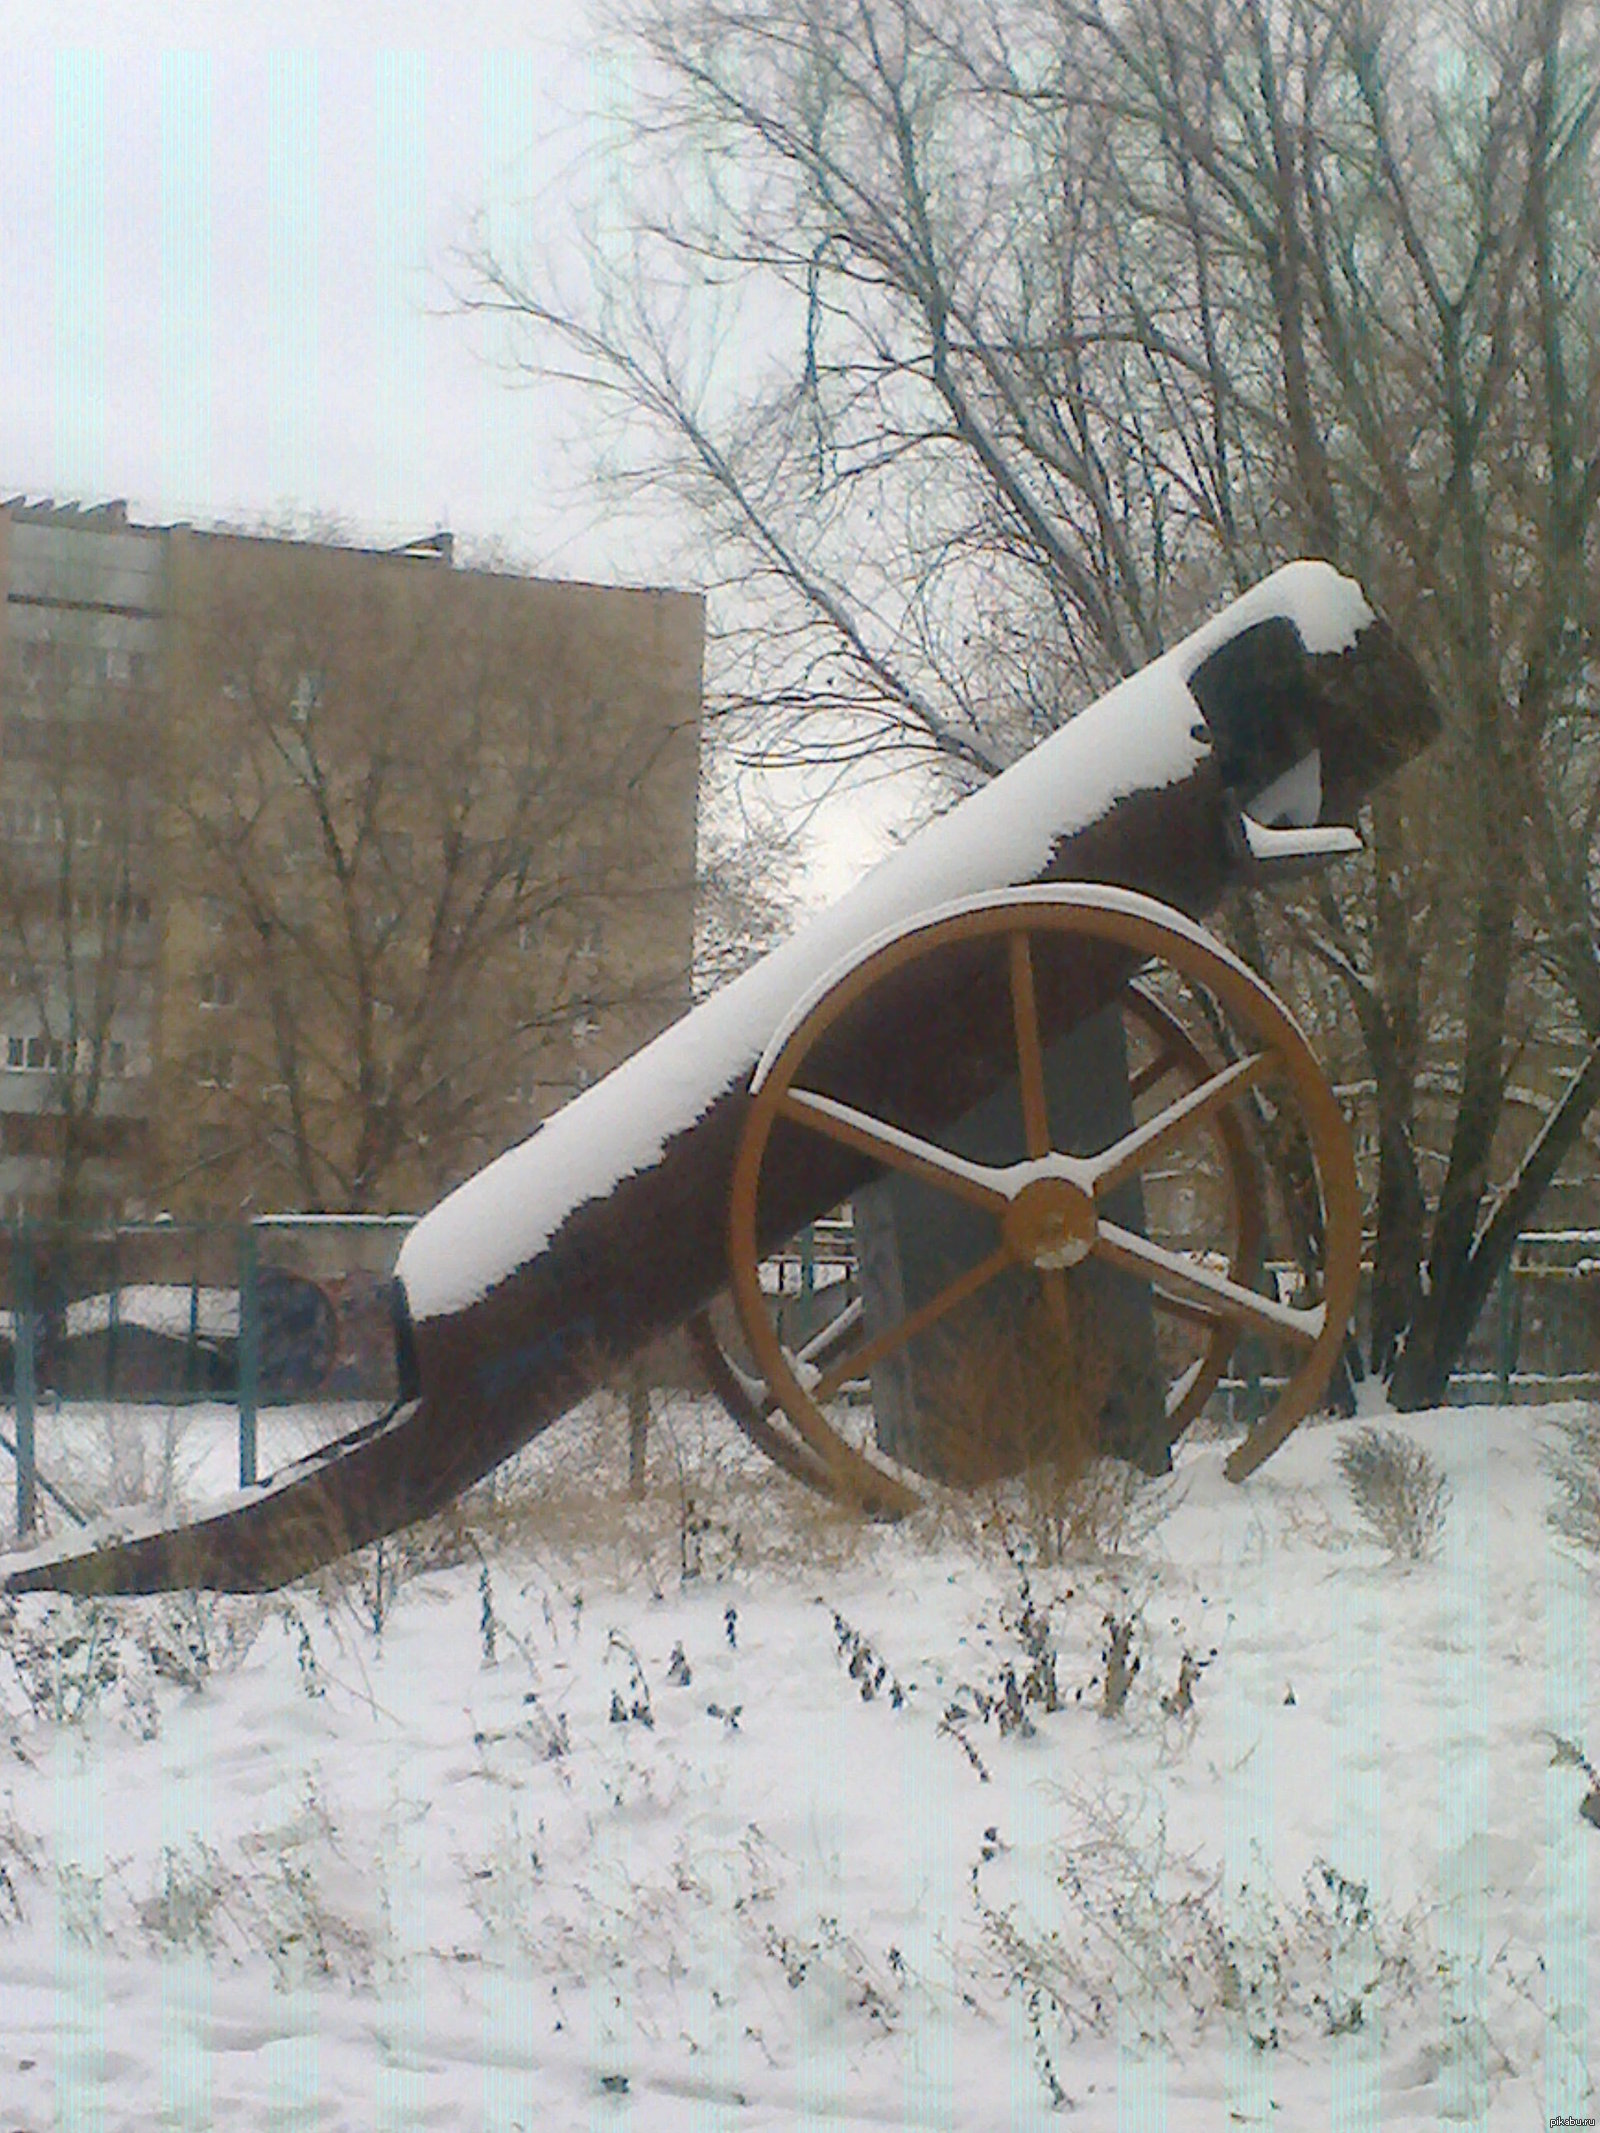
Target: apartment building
{"type": "Point", "coordinates": [325, 872]}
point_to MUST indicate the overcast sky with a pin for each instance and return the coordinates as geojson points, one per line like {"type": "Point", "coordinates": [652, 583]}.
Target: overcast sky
{"type": "Point", "coordinates": [225, 259]}
{"type": "Point", "coordinates": [229, 236]}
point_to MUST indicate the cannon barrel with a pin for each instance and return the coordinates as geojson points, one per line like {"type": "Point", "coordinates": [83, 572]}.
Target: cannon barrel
{"type": "Point", "coordinates": [607, 1228]}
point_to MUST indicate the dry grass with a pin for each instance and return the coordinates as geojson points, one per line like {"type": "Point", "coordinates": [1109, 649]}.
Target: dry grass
{"type": "Point", "coordinates": [1573, 1462]}
{"type": "Point", "coordinates": [1016, 1393]}
{"type": "Point", "coordinates": [710, 1505]}
{"type": "Point", "coordinates": [1146, 1928]}
{"type": "Point", "coordinates": [1399, 1494]}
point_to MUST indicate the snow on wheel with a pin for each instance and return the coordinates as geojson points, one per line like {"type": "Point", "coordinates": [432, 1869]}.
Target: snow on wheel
{"type": "Point", "coordinates": [1015, 972]}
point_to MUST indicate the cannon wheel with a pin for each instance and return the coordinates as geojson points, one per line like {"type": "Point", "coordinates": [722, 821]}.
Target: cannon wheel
{"type": "Point", "coordinates": [1045, 1207]}
{"type": "Point", "coordinates": [1172, 1052]}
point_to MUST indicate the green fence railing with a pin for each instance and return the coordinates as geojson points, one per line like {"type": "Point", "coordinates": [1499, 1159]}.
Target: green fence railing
{"type": "Point", "coordinates": [248, 1315]}
{"type": "Point", "coordinates": [283, 1307]}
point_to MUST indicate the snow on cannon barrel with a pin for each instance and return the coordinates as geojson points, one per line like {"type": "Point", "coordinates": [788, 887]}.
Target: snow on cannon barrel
{"type": "Point", "coordinates": [951, 971]}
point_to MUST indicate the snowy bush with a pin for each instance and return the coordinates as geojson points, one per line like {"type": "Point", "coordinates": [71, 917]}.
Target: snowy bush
{"type": "Point", "coordinates": [290, 1899]}
{"type": "Point", "coordinates": [1574, 1466]}
{"type": "Point", "coordinates": [1398, 1492]}
{"type": "Point", "coordinates": [21, 1860]}
{"type": "Point", "coordinates": [1052, 1515]}
{"type": "Point", "coordinates": [63, 1659]}
{"type": "Point", "coordinates": [1148, 1934]}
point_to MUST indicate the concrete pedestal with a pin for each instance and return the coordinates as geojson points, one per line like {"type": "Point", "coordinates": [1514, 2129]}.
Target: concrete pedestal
{"type": "Point", "coordinates": [989, 1389]}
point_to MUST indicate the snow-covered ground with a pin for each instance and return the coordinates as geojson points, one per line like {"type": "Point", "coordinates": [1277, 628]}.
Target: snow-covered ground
{"type": "Point", "coordinates": [714, 1811]}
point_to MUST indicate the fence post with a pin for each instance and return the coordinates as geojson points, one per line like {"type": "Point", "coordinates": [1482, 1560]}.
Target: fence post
{"type": "Point", "coordinates": [1510, 1330]}
{"type": "Point", "coordinates": [113, 1316]}
{"type": "Point", "coordinates": [249, 1354]}
{"type": "Point", "coordinates": [23, 1377]}
{"type": "Point", "coordinates": [638, 1430]}
{"type": "Point", "coordinates": [191, 1353]}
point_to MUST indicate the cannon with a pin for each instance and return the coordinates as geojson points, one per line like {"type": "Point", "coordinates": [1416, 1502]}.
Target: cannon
{"type": "Point", "coordinates": [1069, 887]}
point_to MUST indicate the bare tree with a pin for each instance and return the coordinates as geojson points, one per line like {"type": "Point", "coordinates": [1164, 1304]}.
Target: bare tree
{"type": "Point", "coordinates": [77, 827]}
{"type": "Point", "coordinates": [746, 895]}
{"type": "Point", "coordinates": [438, 879]}
{"type": "Point", "coordinates": [996, 342]}
{"type": "Point", "coordinates": [1407, 200]}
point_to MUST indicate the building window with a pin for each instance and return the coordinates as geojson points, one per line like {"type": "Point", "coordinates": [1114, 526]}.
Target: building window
{"type": "Point", "coordinates": [302, 835]}
{"type": "Point", "coordinates": [26, 735]}
{"type": "Point", "coordinates": [16, 1053]}
{"type": "Point", "coordinates": [43, 668]}
{"type": "Point", "coordinates": [215, 988]}
{"type": "Point", "coordinates": [588, 862]}
{"type": "Point", "coordinates": [213, 1143]}
{"type": "Point", "coordinates": [24, 821]}
{"type": "Point", "coordinates": [395, 849]}
{"type": "Point", "coordinates": [84, 825]}
{"type": "Point", "coordinates": [213, 1067]}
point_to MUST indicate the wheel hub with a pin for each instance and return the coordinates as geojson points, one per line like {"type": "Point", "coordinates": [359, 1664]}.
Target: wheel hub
{"type": "Point", "coordinates": [1051, 1223]}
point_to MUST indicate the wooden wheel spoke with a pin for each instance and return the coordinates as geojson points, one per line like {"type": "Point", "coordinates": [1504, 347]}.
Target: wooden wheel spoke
{"type": "Point", "coordinates": [831, 1334]}
{"type": "Point", "coordinates": [1030, 1051]}
{"type": "Point", "coordinates": [1153, 1073]}
{"type": "Point", "coordinates": [907, 1328]}
{"type": "Point", "coordinates": [807, 1357]}
{"type": "Point", "coordinates": [1184, 1384]}
{"type": "Point", "coordinates": [1125, 1158]}
{"type": "Point", "coordinates": [1049, 1203]}
{"type": "Point", "coordinates": [1186, 1278]}
{"type": "Point", "coordinates": [1185, 1308]}
{"type": "Point", "coordinates": [895, 1148]}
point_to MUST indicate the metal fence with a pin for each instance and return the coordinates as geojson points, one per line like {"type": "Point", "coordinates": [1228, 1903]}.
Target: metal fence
{"type": "Point", "coordinates": [291, 1309]}
{"type": "Point", "coordinates": [1537, 1337]}
{"type": "Point", "coordinates": [280, 1310]}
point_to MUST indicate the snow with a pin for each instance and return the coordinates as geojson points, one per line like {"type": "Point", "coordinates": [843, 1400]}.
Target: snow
{"type": "Point", "coordinates": [159, 1307]}
{"type": "Point", "coordinates": [1328, 610]}
{"type": "Point", "coordinates": [287, 1465]}
{"type": "Point", "coordinates": [1294, 800]}
{"type": "Point", "coordinates": [1145, 734]}
{"type": "Point", "coordinates": [1331, 840]}
{"type": "Point", "coordinates": [1089, 896]}
{"type": "Point", "coordinates": [264, 1865]}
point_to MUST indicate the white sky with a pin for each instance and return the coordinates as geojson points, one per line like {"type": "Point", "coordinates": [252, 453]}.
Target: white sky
{"type": "Point", "coordinates": [225, 259]}
{"type": "Point", "coordinates": [227, 252]}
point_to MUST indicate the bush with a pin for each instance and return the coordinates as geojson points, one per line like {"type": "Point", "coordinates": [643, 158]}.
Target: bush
{"type": "Point", "coordinates": [1137, 1918]}
{"type": "Point", "coordinates": [1574, 1465]}
{"type": "Point", "coordinates": [1398, 1491]}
